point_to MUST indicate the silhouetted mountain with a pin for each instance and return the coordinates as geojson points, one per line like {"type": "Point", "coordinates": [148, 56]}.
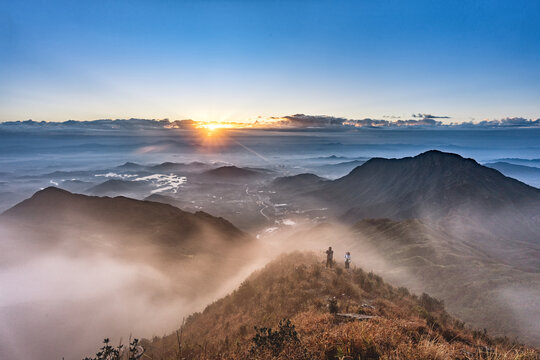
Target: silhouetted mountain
{"type": "Point", "coordinates": [180, 167]}
{"type": "Point", "coordinates": [116, 187]}
{"type": "Point", "coordinates": [518, 161]}
{"type": "Point", "coordinates": [431, 185]}
{"type": "Point", "coordinates": [233, 172]}
{"type": "Point", "coordinates": [513, 168]}
{"type": "Point", "coordinates": [305, 182]}
{"type": "Point", "coordinates": [284, 312]}
{"type": "Point", "coordinates": [131, 166]}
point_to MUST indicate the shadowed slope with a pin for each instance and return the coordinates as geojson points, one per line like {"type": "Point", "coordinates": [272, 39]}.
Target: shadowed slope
{"type": "Point", "coordinates": [52, 207]}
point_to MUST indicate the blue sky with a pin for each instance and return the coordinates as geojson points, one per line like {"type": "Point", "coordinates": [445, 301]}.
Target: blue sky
{"type": "Point", "coordinates": [236, 60]}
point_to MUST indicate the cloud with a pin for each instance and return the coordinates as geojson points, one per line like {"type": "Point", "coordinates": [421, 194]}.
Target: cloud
{"type": "Point", "coordinates": [503, 123]}
{"type": "Point", "coordinates": [182, 124]}
{"type": "Point", "coordinates": [322, 121]}
{"type": "Point", "coordinates": [301, 120]}
{"type": "Point", "coordinates": [102, 124]}
{"type": "Point", "coordinates": [419, 120]}
{"type": "Point", "coordinates": [429, 116]}
{"type": "Point", "coordinates": [296, 121]}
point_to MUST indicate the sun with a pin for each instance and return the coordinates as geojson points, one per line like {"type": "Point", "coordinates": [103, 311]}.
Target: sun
{"type": "Point", "coordinates": [213, 128]}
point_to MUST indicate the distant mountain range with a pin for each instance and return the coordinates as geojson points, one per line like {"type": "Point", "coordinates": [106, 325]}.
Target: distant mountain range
{"type": "Point", "coordinates": [118, 187]}
{"type": "Point", "coordinates": [167, 167]}
{"type": "Point", "coordinates": [339, 169]}
{"type": "Point", "coordinates": [528, 174]}
{"type": "Point", "coordinates": [518, 161]}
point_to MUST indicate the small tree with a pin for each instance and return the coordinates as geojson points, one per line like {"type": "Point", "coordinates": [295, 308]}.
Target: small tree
{"type": "Point", "coordinates": [332, 305]}
{"type": "Point", "coordinates": [107, 352]}
{"type": "Point", "coordinates": [275, 341]}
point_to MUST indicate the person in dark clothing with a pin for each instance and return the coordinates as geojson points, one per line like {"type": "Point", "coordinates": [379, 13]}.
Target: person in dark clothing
{"type": "Point", "coordinates": [347, 260]}
{"type": "Point", "coordinates": [329, 257]}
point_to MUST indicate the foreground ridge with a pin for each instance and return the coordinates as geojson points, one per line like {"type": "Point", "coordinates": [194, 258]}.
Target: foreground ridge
{"type": "Point", "coordinates": [282, 312]}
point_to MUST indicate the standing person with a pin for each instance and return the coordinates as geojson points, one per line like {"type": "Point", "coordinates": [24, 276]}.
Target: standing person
{"type": "Point", "coordinates": [329, 257]}
{"type": "Point", "coordinates": [347, 259]}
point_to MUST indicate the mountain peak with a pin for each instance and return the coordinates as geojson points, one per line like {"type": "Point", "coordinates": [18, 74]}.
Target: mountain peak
{"type": "Point", "coordinates": [53, 206]}
{"type": "Point", "coordinates": [432, 184]}
{"type": "Point", "coordinates": [440, 156]}
{"type": "Point", "coordinates": [437, 153]}
{"type": "Point", "coordinates": [50, 191]}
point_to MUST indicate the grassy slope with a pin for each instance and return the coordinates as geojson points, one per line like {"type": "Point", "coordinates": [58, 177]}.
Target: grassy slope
{"type": "Point", "coordinates": [455, 270]}
{"type": "Point", "coordinates": [297, 287]}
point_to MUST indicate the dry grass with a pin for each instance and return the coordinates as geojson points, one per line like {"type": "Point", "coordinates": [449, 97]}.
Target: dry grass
{"type": "Point", "coordinates": [298, 287]}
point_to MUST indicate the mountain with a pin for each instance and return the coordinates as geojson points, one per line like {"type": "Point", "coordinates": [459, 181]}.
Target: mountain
{"type": "Point", "coordinates": [518, 161]}
{"type": "Point", "coordinates": [286, 311]}
{"type": "Point", "coordinates": [107, 264]}
{"type": "Point", "coordinates": [513, 168]}
{"type": "Point", "coordinates": [131, 166]}
{"type": "Point", "coordinates": [123, 224]}
{"type": "Point", "coordinates": [432, 184]}
{"type": "Point", "coordinates": [441, 187]}
{"type": "Point", "coordinates": [527, 174]}
{"type": "Point", "coordinates": [290, 184]}
{"type": "Point", "coordinates": [169, 167]}
{"type": "Point", "coordinates": [166, 167]}
{"type": "Point", "coordinates": [233, 173]}
{"type": "Point", "coordinates": [119, 187]}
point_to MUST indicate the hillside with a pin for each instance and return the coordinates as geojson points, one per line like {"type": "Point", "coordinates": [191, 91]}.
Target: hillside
{"type": "Point", "coordinates": [139, 231]}
{"type": "Point", "coordinates": [97, 264]}
{"type": "Point", "coordinates": [118, 187]}
{"type": "Point", "coordinates": [496, 213]}
{"type": "Point", "coordinates": [298, 288]}
{"type": "Point", "coordinates": [52, 207]}
{"type": "Point", "coordinates": [192, 167]}
{"type": "Point", "coordinates": [300, 182]}
{"type": "Point", "coordinates": [479, 288]}
{"type": "Point", "coordinates": [232, 173]}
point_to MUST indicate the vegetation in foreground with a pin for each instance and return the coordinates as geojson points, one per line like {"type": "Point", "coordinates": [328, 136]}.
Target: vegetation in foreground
{"type": "Point", "coordinates": [291, 310]}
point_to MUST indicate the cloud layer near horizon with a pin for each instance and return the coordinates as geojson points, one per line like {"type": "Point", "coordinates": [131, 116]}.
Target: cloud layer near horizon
{"type": "Point", "coordinates": [297, 121]}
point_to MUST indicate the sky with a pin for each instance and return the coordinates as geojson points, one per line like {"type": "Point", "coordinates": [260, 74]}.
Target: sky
{"type": "Point", "coordinates": [240, 60]}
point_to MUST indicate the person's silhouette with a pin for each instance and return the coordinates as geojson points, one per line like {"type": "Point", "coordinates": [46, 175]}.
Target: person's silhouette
{"type": "Point", "coordinates": [329, 257]}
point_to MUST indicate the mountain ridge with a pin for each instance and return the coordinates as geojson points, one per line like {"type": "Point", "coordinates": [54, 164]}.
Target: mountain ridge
{"type": "Point", "coordinates": [296, 297]}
